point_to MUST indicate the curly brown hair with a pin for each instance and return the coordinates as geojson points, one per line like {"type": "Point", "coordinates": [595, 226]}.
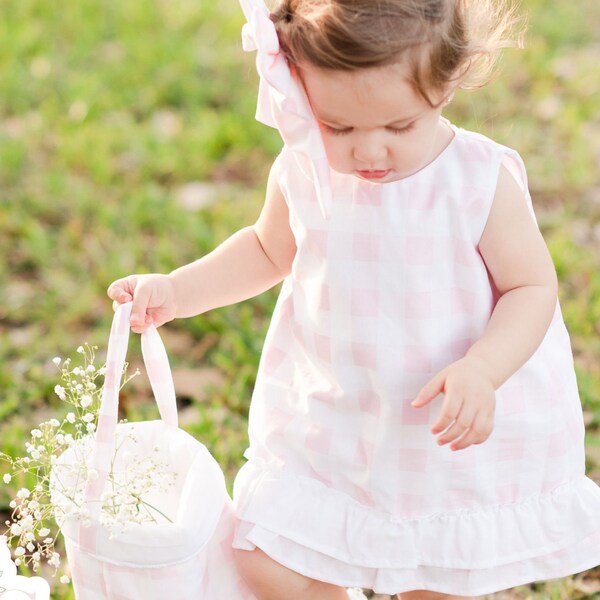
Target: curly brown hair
{"type": "Point", "coordinates": [462, 38]}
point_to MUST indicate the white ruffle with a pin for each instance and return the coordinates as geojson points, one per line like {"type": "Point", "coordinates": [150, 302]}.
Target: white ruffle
{"type": "Point", "coordinates": [327, 535]}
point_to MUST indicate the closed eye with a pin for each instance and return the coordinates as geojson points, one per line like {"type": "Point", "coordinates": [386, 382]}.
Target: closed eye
{"type": "Point", "coordinates": [346, 130]}
{"type": "Point", "coordinates": [401, 130]}
{"type": "Point", "coordinates": [334, 131]}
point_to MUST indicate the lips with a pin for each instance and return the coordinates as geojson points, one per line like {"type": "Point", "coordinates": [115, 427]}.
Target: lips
{"type": "Point", "coordinates": [374, 174]}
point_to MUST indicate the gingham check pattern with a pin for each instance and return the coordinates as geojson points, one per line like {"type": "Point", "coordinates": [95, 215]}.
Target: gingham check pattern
{"type": "Point", "coordinates": [344, 480]}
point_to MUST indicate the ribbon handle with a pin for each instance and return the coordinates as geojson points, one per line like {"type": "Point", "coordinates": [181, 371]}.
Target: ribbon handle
{"type": "Point", "coordinates": [159, 372]}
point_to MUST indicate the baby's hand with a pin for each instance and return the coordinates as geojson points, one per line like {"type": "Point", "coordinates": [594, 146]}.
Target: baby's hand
{"type": "Point", "coordinates": [469, 403]}
{"type": "Point", "coordinates": [153, 297]}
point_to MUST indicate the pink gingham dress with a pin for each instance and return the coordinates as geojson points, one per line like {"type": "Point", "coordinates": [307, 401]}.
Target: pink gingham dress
{"type": "Point", "coordinates": [344, 481]}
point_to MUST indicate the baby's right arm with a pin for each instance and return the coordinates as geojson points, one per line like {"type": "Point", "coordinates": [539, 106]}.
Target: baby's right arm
{"type": "Point", "coordinates": [248, 263]}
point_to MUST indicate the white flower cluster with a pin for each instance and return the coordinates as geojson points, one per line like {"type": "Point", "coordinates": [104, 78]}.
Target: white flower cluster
{"type": "Point", "coordinates": [31, 529]}
{"type": "Point", "coordinates": [16, 586]}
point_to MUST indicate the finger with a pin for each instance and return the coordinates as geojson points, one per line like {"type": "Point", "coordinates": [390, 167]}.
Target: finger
{"type": "Point", "coordinates": [448, 414]}
{"type": "Point", "coordinates": [141, 327]}
{"type": "Point", "coordinates": [430, 390]}
{"type": "Point", "coordinates": [121, 291]}
{"type": "Point", "coordinates": [139, 310]}
{"type": "Point", "coordinates": [479, 432]}
{"type": "Point", "coordinates": [121, 298]}
{"type": "Point", "coordinates": [463, 421]}
{"type": "Point", "coordinates": [159, 316]}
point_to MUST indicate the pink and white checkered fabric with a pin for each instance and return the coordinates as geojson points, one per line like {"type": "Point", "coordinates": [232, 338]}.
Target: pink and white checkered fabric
{"type": "Point", "coordinates": [344, 481]}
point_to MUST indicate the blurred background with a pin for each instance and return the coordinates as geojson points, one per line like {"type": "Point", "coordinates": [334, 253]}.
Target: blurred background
{"type": "Point", "coordinates": [128, 144]}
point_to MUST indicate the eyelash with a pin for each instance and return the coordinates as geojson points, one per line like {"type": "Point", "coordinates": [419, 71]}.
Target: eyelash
{"type": "Point", "coordinates": [392, 130]}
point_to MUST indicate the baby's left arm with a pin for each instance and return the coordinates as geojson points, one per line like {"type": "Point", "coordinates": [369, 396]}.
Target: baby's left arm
{"type": "Point", "coordinates": [520, 265]}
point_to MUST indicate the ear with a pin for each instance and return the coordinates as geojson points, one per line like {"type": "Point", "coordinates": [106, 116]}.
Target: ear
{"type": "Point", "coordinates": [294, 70]}
{"type": "Point", "coordinates": [449, 90]}
{"type": "Point", "coordinates": [448, 98]}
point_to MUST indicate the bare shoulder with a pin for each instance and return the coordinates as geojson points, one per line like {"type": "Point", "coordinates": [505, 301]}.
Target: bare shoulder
{"type": "Point", "coordinates": [512, 245]}
{"type": "Point", "coordinates": [273, 226]}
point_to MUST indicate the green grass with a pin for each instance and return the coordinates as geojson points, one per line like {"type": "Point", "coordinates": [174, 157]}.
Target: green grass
{"type": "Point", "coordinates": [107, 110]}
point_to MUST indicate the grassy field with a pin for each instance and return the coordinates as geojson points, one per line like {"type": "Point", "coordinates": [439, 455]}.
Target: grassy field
{"type": "Point", "coordinates": [127, 144]}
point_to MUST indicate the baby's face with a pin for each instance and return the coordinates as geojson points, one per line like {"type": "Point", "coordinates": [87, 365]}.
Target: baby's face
{"type": "Point", "coordinates": [373, 123]}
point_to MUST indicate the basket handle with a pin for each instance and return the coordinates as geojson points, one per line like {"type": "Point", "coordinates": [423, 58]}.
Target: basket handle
{"type": "Point", "coordinates": [161, 380]}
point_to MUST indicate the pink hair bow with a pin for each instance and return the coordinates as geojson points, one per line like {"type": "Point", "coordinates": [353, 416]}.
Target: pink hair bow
{"type": "Point", "coordinates": [282, 103]}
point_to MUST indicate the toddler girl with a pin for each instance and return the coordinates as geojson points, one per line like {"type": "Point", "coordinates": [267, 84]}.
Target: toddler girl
{"type": "Point", "coordinates": [415, 427]}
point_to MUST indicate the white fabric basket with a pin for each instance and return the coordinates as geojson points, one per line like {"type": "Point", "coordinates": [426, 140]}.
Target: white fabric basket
{"type": "Point", "coordinates": [187, 558]}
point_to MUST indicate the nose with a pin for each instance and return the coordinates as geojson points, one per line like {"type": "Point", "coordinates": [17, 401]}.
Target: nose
{"type": "Point", "coordinates": [370, 151]}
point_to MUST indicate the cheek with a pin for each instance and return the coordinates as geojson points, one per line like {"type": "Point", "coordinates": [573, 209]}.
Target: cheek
{"type": "Point", "coordinates": [416, 146]}
{"type": "Point", "coordinates": [336, 149]}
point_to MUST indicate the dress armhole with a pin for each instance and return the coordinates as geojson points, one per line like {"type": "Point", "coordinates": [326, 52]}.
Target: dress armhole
{"type": "Point", "coordinates": [515, 169]}
{"type": "Point", "coordinates": [513, 163]}
{"type": "Point", "coordinates": [278, 172]}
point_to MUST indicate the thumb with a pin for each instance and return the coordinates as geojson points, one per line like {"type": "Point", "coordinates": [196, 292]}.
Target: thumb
{"type": "Point", "coordinates": [430, 390]}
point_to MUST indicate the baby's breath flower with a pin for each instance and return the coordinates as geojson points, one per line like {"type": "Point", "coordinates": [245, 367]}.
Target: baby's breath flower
{"type": "Point", "coordinates": [23, 493]}
{"type": "Point", "coordinates": [54, 560]}
{"type": "Point", "coordinates": [122, 501]}
{"type": "Point", "coordinates": [64, 579]}
{"type": "Point", "coordinates": [15, 529]}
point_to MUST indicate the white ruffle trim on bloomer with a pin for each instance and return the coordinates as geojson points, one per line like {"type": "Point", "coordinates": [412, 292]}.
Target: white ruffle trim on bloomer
{"type": "Point", "coordinates": [326, 535]}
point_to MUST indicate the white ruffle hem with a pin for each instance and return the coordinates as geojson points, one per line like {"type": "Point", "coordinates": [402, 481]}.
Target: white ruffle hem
{"type": "Point", "coordinates": [463, 552]}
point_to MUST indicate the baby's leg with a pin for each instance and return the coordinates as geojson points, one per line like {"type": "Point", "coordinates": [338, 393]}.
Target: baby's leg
{"type": "Point", "coordinates": [271, 581]}
{"type": "Point", "coordinates": [427, 595]}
